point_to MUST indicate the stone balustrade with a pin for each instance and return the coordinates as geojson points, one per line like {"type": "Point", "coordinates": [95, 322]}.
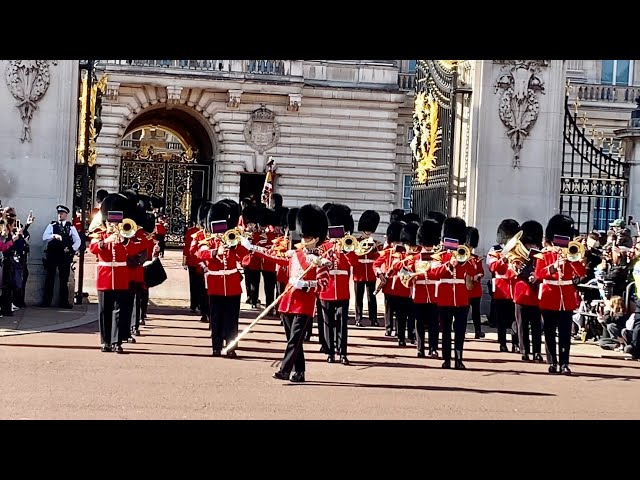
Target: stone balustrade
{"type": "Point", "coordinates": [606, 93]}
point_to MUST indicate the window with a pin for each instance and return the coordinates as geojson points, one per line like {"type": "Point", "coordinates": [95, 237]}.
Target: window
{"type": "Point", "coordinates": [605, 211]}
{"type": "Point", "coordinates": [406, 192]}
{"type": "Point", "coordinates": [617, 72]}
{"type": "Point", "coordinates": [410, 133]}
{"type": "Point", "coordinates": [411, 68]}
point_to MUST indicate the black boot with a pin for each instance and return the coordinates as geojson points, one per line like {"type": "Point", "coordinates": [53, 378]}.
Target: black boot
{"type": "Point", "coordinates": [458, 363]}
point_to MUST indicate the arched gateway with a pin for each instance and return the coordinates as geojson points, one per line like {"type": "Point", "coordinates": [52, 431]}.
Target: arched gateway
{"type": "Point", "coordinates": [168, 154]}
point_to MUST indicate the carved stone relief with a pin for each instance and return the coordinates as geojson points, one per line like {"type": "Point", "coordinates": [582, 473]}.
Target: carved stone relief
{"type": "Point", "coordinates": [28, 81]}
{"type": "Point", "coordinates": [261, 133]}
{"type": "Point", "coordinates": [233, 98]}
{"type": "Point", "coordinates": [518, 85]}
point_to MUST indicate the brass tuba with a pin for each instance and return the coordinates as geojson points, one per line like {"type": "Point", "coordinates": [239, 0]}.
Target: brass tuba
{"type": "Point", "coordinates": [574, 252]}
{"type": "Point", "coordinates": [406, 276]}
{"type": "Point", "coordinates": [515, 252]}
{"type": "Point", "coordinates": [127, 228]}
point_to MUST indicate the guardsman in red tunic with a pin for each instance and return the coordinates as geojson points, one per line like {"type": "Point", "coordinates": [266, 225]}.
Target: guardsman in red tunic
{"type": "Point", "coordinates": [525, 293]}
{"type": "Point", "coordinates": [363, 275]}
{"type": "Point", "coordinates": [409, 237]}
{"type": "Point", "coordinates": [298, 303]}
{"type": "Point", "coordinates": [136, 274]}
{"type": "Point", "coordinates": [223, 280]}
{"type": "Point", "coordinates": [558, 296]}
{"type": "Point", "coordinates": [203, 231]}
{"type": "Point", "coordinates": [161, 232]}
{"type": "Point", "coordinates": [475, 294]}
{"type": "Point", "coordinates": [251, 263]}
{"type": "Point", "coordinates": [112, 279]}
{"type": "Point", "coordinates": [270, 231]}
{"type": "Point", "coordinates": [190, 263]}
{"type": "Point", "coordinates": [283, 244]}
{"type": "Point", "coordinates": [423, 290]}
{"type": "Point", "coordinates": [502, 286]}
{"type": "Point", "coordinates": [451, 293]}
{"type": "Point", "coordinates": [334, 300]}
{"type": "Point", "coordinates": [397, 297]}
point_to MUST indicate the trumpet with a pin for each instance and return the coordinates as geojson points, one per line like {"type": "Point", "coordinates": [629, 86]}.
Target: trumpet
{"type": "Point", "coordinates": [406, 277]}
{"type": "Point", "coordinates": [127, 228]}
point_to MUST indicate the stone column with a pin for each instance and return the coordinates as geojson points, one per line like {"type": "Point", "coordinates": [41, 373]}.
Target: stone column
{"type": "Point", "coordinates": [38, 142]}
{"type": "Point", "coordinates": [519, 106]}
{"type": "Point", "coordinates": [631, 138]}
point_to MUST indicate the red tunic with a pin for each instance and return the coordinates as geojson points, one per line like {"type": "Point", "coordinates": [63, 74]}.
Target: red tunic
{"type": "Point", "coordinates": [476, 290]}
{"type": "Point", "coordinates": [501, 285]}
{"type": "Point", "coordinates": [296, 301]}
{"type": "Point", "coordinates": [113, 273]}
{"type": "Point", "coordinates": [363, 266]}
{"type": "Point", "coordinates": [524, 293]}
{"type": "Point", "coordinates": [339, 284]}
{"type": "Point", "coordinates": [451, 290]}
{"type": "Point", "coordinates": [189, 256]}
{"type": "Point", "coordinates": [252, 261]}
{"type": "Point", "coordinates": [557, 291]}
{"type": "Point", "coordinates": [390, 263]}
{"type": "Point", "coordinates": [423, 289]}
{"type": "Point", "coordinates": [222, 276]}
{"type": "Point", "coordinates": [136, 274]}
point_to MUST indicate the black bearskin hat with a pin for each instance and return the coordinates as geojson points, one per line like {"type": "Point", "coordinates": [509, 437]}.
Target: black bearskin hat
{"type": "Point", "coordinates": [369, 221]}
{"type": "Point", "coordinates": [340, 214]}
{"type": "Point", "coordinates": [397, 215]}
{"type": "Point", "coordinates": [312, 221]}
{"type": "Point", "coordinates": [250, 214]}
{"type": "Point", "coordinates": [437, 216]}
{"type": "Point", "coordinates": [203, 214]}
{"type": "Point", "coordinates": [117, 202]}
{"type": "Point", "coordinates": [158, 202]}
{"type": "Point", "coordinates": [292, 216]}
{"type": "Point", "coordinates": [507, 229]}
{"type": "Point", "coordinates": [409, 234]}
{"type": "Point", "coordinates": [326, 206]}
{"type": "Point", "coordinates": [456, 228]}
{"type": "Point", "coordinates": [276, 199]}
{"type": "Point", "coordinates": [394, 231]}
{"type": "Point", "coordinates": [429, 233]}
{"type": "Point", "coordinates": [195, 206]}
{"type": "Point", "coordinates": [282, 214]}
{"type": "Point", "coordinates": [412, 217]}
{"type": "Point", "coordinates": [266, 216]}
{"type": "Point", "coordinates": [559, 225]}
{"type": "Point", "coordinates": [532, 232]}
{"type": "Point", "coordinates": [473, 237]}
{"type": "Point", "coordinates": [218, 211]}
{"type": "Point", "coordinates": [101, 194]}
{"type": "Point", "coordinates": [234, 212]}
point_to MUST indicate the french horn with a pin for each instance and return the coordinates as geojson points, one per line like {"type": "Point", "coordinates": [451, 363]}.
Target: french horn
{"type": "Point", "coordinates": [365, 246]}
{"type": "Point", "coordinates": [406, 277]}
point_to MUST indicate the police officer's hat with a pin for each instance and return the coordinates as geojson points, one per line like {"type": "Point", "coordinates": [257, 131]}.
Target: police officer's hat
{"type": "Point", "coordinates": [62, 209]}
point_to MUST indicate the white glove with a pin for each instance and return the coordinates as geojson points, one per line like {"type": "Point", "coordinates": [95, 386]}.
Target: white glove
{"type": "Point", "coordinates": [300, 284]}
{"type": "Point", "coordinates": [244, 241]}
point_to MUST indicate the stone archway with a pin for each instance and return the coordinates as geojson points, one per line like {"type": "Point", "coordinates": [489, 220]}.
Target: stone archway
{"type": "Point", "coordinates": [167, 153]}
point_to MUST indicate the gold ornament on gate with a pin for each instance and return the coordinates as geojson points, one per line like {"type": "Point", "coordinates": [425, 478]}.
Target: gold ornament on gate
{"type": "Point", "coordinates": [427, 134]}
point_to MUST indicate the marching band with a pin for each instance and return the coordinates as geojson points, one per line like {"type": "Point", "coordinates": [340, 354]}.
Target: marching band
{"type": "Point", "coordinates": [427, 270]}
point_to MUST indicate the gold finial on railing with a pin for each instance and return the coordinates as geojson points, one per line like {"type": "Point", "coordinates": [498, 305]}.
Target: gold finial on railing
{"type": "Point", "coordinates": [584, 120]}
{"type": "Point", "coordinates": [576, 105]}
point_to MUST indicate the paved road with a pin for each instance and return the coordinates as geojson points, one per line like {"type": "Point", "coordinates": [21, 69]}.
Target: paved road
{"type": "Point", "coordinates": [169, 374]}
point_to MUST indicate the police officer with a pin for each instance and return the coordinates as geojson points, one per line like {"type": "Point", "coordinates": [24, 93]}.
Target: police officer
{"type": "Point", "coordinates": [62, 242]}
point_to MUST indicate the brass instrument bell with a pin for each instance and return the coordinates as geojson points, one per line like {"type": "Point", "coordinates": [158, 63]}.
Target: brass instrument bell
{"type": "Point", "coordinates": [127, 228]}
{"type": "Point", "coordinates": [574, 252]}
{"type": "Point", "coordinates": [406, 276]}
{"type": "Point", "coordinates": [463, 253]}
{"type": "Point", "coordinates": [365, 246]}
{"type": "Point", "coordinates": [515, 251]}
{"type": "Point", "coordinates": [231, 237]}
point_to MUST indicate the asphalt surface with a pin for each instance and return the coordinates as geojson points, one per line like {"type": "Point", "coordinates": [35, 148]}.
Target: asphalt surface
{"type": "Point", "coordinates": [169, 374]}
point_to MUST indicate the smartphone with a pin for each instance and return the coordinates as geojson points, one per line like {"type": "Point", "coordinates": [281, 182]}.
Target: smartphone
{"type": "Point", "coordinates": [219, 226]}
{"type": "Point", "coordinates": [115, 216]}
{"type": "Point", "coordinates": [561, 241]}
{"type": "Point", "coordinates": [336, 231]}
{"type": "Point", "coordinates": [450, 243]}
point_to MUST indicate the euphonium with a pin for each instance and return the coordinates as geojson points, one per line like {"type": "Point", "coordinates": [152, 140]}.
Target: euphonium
{"type": "Point", "coordinates": [127, 228]}
{"type": "Point", "coordinates": [406, 276]}
{"type": "Point", "coordinates": [348, 243]}
{"type": "Point", "coordinates": [574, 252]}
{"type": "Point", "coordinates": [365, 246]}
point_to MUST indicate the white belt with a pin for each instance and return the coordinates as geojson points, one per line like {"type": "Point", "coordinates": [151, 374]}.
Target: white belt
{"type": "Point", "coordinates": [112, 264]}
{"type": "Point", "coordinates": [365, 260]}
{"type": "Point", "coordinates": [426, 282]}
{"type": "Point", "coordinates": [451, 280]}
{"type": "Point", "coordinates": [501, 276]}
{"type": "Point", "coordinates": [222, 272]}
{"type": "Point", "coordinates": [338, 272]}
{"type": "Point", "coordinates": [558, 283]}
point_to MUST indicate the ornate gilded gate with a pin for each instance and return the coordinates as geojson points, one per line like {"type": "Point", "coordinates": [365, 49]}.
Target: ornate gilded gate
{"type": "Point", "coordinates": [594, 181]}
{"type": "Point", "coordinates": [175, 178]}
{"type": "Point", "coordinates": [437, 86]}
